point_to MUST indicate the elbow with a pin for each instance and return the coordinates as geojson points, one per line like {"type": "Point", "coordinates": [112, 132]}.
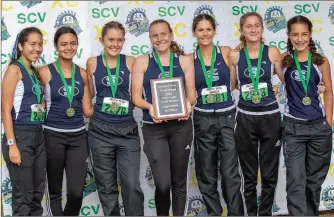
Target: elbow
{"type": "Point", "coordinates": [135, 102]}
{"type": "Point", "coordinates": [88, 112]}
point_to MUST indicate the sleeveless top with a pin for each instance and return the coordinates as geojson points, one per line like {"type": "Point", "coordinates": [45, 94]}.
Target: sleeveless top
{"type": "Point", "coordinates": [267, 103]}
{"type": "Point", "coordinates": [24, 99]}
{"type": "Point", "coordinates": [295, 93]}
{"type": "Point", "coordinates": [103, 91]}
{"type": "Point", "coordinates": [153, 72]}
{"type": "Point", "coordinates": [221, 77]}
{"type": "Point", "coordinates": [57, 102]}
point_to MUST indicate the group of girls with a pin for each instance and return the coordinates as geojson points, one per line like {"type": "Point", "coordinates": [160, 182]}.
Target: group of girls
{"type": "Point", "coordinates": [43, 114]}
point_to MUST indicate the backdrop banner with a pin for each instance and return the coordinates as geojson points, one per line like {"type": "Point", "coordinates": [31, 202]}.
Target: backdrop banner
{"type": "Point", "coordinates": [88, 18]}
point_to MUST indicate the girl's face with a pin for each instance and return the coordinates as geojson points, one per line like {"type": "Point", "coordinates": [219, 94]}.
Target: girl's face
{"type": "Point", "coordinates": [204, 32]}
{"type": "Point", "coordinates": [33, 47]}
{"type": "Point", "coordinates": [113, 41]}
{"type": "Point", "coordinates": [67, 46]}
{"type": "Point", "coordinates": [252, 29]}
{"type": "Point", "coordinates": [300, 36]}
{"type": "Point", "coordinates": [161, 37]}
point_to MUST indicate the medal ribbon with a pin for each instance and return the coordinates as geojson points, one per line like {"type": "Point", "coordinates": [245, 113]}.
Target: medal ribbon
{"type": "Point", "coordinates": [208, 78]}
{"type": "Point", "coordinates": [69, 93]}
{"type": "Point", "coordinates": [171, 61]}
{"type": "Point", "coordinates": [308, 73]}
{"type": "Point", "coordinates": [113, 85]}
{"type": "Point", "coordinates": [34, 80]}
{"type": "Point", "coordinates": [255, 81]}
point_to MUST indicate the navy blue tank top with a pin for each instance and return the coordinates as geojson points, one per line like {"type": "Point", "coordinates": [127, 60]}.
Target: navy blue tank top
{"type": "Point", "coordinates": [221, 76]}
{"type": "Point", "coordinates": [295, 93]}
{"type": "Point", "coordinates": [57, 102]}
{"type": "Point", "coordinates": [24, 98]}
{"type": "Point", "coordinates": [102, 90]}
{"type": "Point", "coordinates": [267, 103]}
{"type": "Point", "coordinates": [153, 72]}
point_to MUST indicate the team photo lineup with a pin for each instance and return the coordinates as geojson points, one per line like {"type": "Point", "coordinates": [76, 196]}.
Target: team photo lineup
{"type": "Point", "coordinates": [214, 109]}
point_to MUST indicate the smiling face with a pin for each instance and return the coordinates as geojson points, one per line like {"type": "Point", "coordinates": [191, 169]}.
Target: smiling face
{"type": "Point", "coordinates": [67, 46]}
{"type": "Point", "coordinates": [161, 37]}
{"type": "Point", "coordinates": [300, 36]}
{"type": "Point", "coordinates": [32, 48]}
{"type": "Point", "coordinates": [204, 32]}
{"type": "Point", "coordinates": [113, 41]}
{"type": "Point", "coordinates": [252, 29]}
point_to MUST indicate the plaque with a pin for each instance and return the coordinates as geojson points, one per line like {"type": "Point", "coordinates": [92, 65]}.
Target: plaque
{"type": "Point", "coordinates": [168, 98]}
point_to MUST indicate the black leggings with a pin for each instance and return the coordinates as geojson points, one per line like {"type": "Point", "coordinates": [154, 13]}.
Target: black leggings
{"type": "Point", "coordinates": [66, 150]}
{"type": "Point", "coordinates": [167, 146]}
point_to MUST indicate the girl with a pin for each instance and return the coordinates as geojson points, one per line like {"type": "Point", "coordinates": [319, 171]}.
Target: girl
{"type": "Point", "coordinates": [113, 132]}
{"type": "Point", "coordinates": [252, 68]}
{"type": "Point", "coordinates": [67, 100]}
{"type": "Point", "coordinates": [307, 151]}
{"type": "Point", "coordinates": [167, 144]}
{"type": "Point", "coordinates": [23, 114]}
{"type": "Point", "coordinates": [214, 122]}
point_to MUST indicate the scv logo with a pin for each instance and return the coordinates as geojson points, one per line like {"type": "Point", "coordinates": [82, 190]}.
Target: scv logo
{"type": "Point", "coordinates": [67, 18]}
{"type": "Point", "coordinates": [274, 19]}
{"type": "Point", "coordinates": [331, 14]}
{"type": "Point", "coordinates": [101, 2]}
{"type": "Point", "coordinates": [295, 75]}
{"type": "Point", "coordinates": [137, 22]}
{"type": "Point", "coordinates": [254, 70]}
{"type": "Point", "coordinates": [160, 75]}
{"type": "Point", "coordinates": [205, 9]}
{"type": "Point", "coordinates": [327, 197]}
{"type": "Point", "coordinates": [90, 185]}
{"type": "Point", "coordinates": [196, 206]}
{"type": "Point", "coordinates": [149, 177]}
{"type": "Point", "coordinates": [62, 91]}
{"type": "Point", "coordinates": [29, 4]}
{"type": "Point", "coordinates": [215, 76]}
{"type": "Point", "coordinates": [4, 33]}
{"type": "Point", "coordinates": [106, 82]}
{"type": "Point", "coordinates": [319, 48]}
{"type": "Point", "coordinates": [7, 191]}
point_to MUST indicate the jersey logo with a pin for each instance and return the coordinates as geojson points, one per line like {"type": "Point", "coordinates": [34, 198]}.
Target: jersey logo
{"type": "Point", "coordinates": [205, 9]}
{"type": "Point", "coordinates": [29, 4]}
{"type": "Point", "coordinates": [137, 22]}
{"type": "Point", "coordinates": [105, 80]}
{"type": "Point", "coordinates": [4, 32]}
{"type": "Point", "coordinates": [327, 197]}
{"type": "Point", "coordinates": [34, 88]}
{"type": "Point", "coordinates": [295, 74]}
{"type": "Point", "coordinates": [274, 19]}
{"type": "Point", "coordinates": [67, 18]}
{"type": "Point", "coordinates": [331, 14]}
{"type": "Point", "coordinates": [254, 69]}
{"type": "Point", "coordinates": [6, 188]}
{"type": "Point", "coordinates": [149, 177]}
{"type": "Point", "coordinates": [215, 74]}
{"type": "Point", "coordinates": [62, 91]}
{"type": "Point", "coordinates": [196, 206]}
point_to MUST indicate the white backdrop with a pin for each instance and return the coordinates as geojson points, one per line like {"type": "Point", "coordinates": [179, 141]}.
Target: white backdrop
{"type": "Point", "coordinates": [88, 19]}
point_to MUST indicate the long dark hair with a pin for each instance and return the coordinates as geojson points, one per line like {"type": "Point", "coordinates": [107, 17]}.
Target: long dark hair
{"type": "Point", "coordinates": [21, 38]}
{"type": "Point", "coordinates": [288, 61]}
{"type": "Point", "coordinates": [175, 48]}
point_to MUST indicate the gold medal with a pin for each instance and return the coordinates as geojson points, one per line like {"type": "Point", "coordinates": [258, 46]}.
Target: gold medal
{"type": "Point", "coordinates": [114, 107]}
{"type": "Point", "coordinates": [210, 98]}
{"type": "Point", "coordinates": [70, 112]}
{"type": "Point", "coordinates": [256, 99]}
{"type": "Point", "coordinates": [307, 101]}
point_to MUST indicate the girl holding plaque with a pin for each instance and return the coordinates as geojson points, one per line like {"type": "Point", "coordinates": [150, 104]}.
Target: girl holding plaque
{"type": "Point", "coordinates": [306, 131]}
{"type": "Point", "coordinates": [23, 114]}
{"type": "Point", "coordinates": [214, 122]}
{"type": "Point", "coordinates": [167, 143]}
{"type": "Point", "coordinates": [257, 130]}
{"type": "Point", "coordinates": [68, 100]}
{"type": "Point", "coordinates": [113, 136]}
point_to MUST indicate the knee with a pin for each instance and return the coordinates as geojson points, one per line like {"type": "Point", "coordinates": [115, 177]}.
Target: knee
{"type": "Point", "coordinates": [74, 194]}
{"type": "Point", "coordinates": [163, 187]}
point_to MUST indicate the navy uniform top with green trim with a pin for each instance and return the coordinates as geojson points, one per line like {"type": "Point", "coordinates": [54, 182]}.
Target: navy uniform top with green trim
{"type": "Point", "coordinates": [57, 102]}
{"type": "Point", "coordinates": [24, 98]}
{"type": "Point", "coordinates": [153, 72]}
{"type": "Point", "coordinates": [102, 90]}
{"type": "Point", "coordinates": [295, 93]}
{"type": "Point", "coordinates": [221, 76]}
{"type": "Point", "coordinates": [267, 103]}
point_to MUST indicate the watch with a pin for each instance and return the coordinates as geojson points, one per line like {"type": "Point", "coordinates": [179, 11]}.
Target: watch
{"type": "Point", "coordinates": [10, 142]}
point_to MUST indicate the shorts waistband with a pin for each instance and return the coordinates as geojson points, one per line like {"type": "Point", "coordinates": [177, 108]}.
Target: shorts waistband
{"type": "Point", "coordinates": [29, 127]}
{"type": "Point", "coordinates": [306, 122]}
{"type": "Point", "coordinates": [228, 112]}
